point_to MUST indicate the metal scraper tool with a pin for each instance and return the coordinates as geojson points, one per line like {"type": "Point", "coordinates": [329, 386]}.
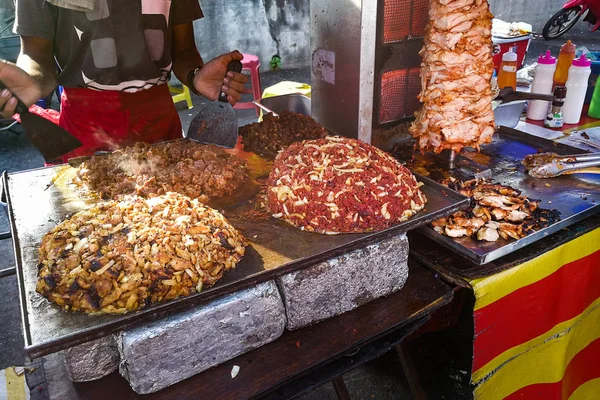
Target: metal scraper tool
{"type": "Point", "coordinates": [51, 140]}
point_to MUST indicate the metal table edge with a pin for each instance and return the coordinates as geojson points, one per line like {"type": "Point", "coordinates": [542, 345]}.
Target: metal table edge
{"type": "Point", "coordinates": [19, 263]}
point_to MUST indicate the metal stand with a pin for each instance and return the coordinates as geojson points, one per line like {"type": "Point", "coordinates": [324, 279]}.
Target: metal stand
{"type": "Point", "coordinates": [452, 159]}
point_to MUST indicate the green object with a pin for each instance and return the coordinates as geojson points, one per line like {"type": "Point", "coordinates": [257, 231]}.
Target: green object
{"type": "Point", "coordinates": [275, 62]}
{"type": "Point", "coordinates": [594, 110]}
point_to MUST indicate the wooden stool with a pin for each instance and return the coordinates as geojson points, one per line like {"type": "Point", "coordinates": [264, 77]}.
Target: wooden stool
{"type": "Point", "coordinates": [251, 63]}
{"type": "Point", "coordinates": [182, 94]}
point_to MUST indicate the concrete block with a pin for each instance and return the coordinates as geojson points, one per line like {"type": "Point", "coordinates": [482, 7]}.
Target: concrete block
{"type": "Point", "coordinates": [92, 360]}
{"type": "Point", "coordinates": [168, 351]}
{"type": "Point", "coordinates": [344, 283]}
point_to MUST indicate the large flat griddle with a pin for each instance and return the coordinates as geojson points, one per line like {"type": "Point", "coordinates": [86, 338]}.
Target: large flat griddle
{"type": "Point", "coordinates": [575, 196]}
{"type": "Point", "coordinates": [39, 199]}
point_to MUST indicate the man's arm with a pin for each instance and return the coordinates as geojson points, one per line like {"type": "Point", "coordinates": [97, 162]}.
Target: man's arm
{"type": "Point", "coordinates": [33, 77]}
{"type": "Point", "coordinates": [210, 80]}
{"type": "Point", "coordinates": [37, 59]}
{"type": "Point", "coordinates": [185, 53]}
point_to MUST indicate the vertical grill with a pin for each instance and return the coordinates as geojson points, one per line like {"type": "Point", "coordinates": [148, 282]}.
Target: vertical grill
{"type": "Point", "coordinates": [399, 89]}
{"type": "Point", "coordinates": [366, 63]}
{"type": "Point", "coordinates": [400, 32]}
{"type": "Point", "coordinates": [404, 19]}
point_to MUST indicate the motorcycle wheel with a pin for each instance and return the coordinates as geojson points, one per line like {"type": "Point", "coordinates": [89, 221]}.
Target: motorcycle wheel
{"type": "Point", "coordinates": [561, 22]}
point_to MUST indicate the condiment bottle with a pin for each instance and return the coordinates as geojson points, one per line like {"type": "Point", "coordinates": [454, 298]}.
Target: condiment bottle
{"type": "Point", "coordinates": [555, 117]}
{"type": "Point", "coordinates": [565, 59]}
{"type": "Point", "coordinates": [594, 110]}
{"type": "Point", "coordinates": [537, 110]}
{"type": "Point", "coordinates": [507, 73]}
{"type": "Point", "coordinates": [577, 85]}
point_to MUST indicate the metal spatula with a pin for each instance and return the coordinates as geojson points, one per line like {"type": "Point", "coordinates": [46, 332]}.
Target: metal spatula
{"type": "Point", "coordinates": [50, 139]}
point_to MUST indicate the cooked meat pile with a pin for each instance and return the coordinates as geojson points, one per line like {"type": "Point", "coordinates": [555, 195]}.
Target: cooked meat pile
{"type": "Point", "coordinates": [273, 134]}
{"type": "Point", "coordinates": [120, 256]}
{"type": "Point", "coordinates": [498, 211]}
{"type": "Point", "coordinates": [192, 169]}
{"type": "Point", "coordinates": [336, 185]}
{"type": "Point", "coordinates": [455, 77]}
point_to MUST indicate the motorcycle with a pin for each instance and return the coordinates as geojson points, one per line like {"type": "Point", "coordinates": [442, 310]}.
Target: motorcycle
{"type": "Point", "coordinates": [567, 17]}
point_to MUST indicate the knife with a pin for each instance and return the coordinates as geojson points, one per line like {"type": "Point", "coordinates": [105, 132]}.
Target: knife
{"type": "Point", "coordinates": [51, 140]}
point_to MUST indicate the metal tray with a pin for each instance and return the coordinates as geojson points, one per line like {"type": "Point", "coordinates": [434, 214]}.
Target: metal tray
{"type": "Point", "coordinates": [38, 200]}
{"type": "Point", "coordinates": [575, 196]}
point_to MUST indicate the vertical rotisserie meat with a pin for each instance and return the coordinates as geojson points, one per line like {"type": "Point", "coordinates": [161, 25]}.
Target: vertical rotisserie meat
{"type": "Point", "coordinates": [455, 77]}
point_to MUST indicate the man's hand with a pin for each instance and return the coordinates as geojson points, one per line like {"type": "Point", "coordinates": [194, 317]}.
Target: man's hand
{"type": "Point", "coordinates": [211, 80]}
{"type": "Point", "coordinates": [19, 84]}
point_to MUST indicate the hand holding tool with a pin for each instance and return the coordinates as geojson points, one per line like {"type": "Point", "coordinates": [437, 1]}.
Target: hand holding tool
{"type": "Point", "coordinates": [50, 139]}
{"type": "Point", "coordinates": [235, 66]}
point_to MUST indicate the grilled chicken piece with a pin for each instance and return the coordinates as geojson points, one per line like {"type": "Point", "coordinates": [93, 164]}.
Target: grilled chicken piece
{"type": "Point", "coordinates": [509, 215]}
{"type": "Point", "coordinates": [489, 232]}
{"type": "Point", "coordinates": [499, 211]}
{"type": "Point", "coordinates": [455, 231]}
{"type": "Point", "coordinates": [507, 230]}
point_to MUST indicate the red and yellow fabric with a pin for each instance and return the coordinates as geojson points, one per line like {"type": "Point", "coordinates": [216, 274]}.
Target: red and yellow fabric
{"type": "Point", "coordinates": [537, 326]}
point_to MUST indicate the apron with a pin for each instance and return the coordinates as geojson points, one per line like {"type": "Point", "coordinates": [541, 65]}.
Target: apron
{"type": "Point", "coordinates": [108, 120]}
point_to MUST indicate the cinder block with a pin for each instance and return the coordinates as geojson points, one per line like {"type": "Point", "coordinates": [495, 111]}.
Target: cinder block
{"type": "Point", "coordinates": [160, 354]}
{"type": "Point", "coordinates": [344, 283]}
{"type": "Point", "coordinates": [92, 360]}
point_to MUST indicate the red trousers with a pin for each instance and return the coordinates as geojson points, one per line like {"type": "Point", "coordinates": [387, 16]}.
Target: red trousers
{"type": "Point", "coordinates": [107, 120]}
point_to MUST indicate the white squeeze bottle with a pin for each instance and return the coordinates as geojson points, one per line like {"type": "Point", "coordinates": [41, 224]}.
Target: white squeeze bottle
{"type": "Point", "coordinates": [577, 85]}
{"type": "Point", "coordinates": [542, 84]}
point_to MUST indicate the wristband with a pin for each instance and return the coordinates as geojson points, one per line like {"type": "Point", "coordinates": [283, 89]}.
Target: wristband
{"type": "Point", "coordinates": [190, 80]}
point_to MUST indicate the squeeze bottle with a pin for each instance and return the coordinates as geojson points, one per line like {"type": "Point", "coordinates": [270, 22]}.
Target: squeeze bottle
{"type": "Point", "coordinates": [507, 73]}
{"type": "Point", "coordinates": [577, 85]}
{"type": "Point", "coordinates": [594, 110]}
{"type": "Point", "coordinates": [542, 84]}
{"type": "Point", "coordinates": [565, 58]}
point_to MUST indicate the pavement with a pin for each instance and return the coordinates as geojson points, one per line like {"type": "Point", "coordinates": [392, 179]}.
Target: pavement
{"type": "Point", "coordinates": [380, 379]}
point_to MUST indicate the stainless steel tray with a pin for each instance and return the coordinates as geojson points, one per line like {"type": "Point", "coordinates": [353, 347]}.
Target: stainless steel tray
{"type": "Point", "coordinates": [575, 196]}
{"type": "Point", "coordinates": [39, 199]}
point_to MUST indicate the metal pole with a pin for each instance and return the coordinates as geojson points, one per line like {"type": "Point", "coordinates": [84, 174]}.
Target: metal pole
{"type": "Point", "coordinates": [452, 159]}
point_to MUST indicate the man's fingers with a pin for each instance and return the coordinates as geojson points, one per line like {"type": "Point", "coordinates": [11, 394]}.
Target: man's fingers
{"type": "Point", "coordinates": [8, 105]}
{"type": "Point", "coordinates": [238, 77]}
{"type": "Point", "coordinates": [233, 96]}
{"type": "Point", "coordinates": [237, 86]}
{"type": "Point", "coordinates": [236, 55]}
{"type": "Point", "coordinates": [229, 57]}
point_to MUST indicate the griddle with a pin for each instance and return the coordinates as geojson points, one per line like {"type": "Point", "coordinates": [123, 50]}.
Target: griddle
{"type": "Point", "coordinates": [39, 199]}
{"type": "Point", "coordinates": [574, 196]}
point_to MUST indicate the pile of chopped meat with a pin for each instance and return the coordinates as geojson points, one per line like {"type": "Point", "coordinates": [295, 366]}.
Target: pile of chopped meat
{"type": "Point", "coordinates": [498, 211]}
{"type": "Point", "coordinates": [196, 170]}
{"type": "Point", "coordinates": [119, 256]}
{"type": "Point", "coordinates": [455, 77]}
{"type": "Point", "coordinates": [340, 185]}
{"type": "Point", "coordinates": [273, 134]}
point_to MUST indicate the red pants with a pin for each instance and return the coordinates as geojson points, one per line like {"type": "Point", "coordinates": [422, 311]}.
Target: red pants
{"type": "Point", "coordinates": [106, 121]}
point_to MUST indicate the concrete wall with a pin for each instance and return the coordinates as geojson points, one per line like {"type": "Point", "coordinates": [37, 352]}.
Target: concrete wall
{"type": "Point", "coordinates": [534, 12]}
{"type": "Point", "coordinates": [260, 27]}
